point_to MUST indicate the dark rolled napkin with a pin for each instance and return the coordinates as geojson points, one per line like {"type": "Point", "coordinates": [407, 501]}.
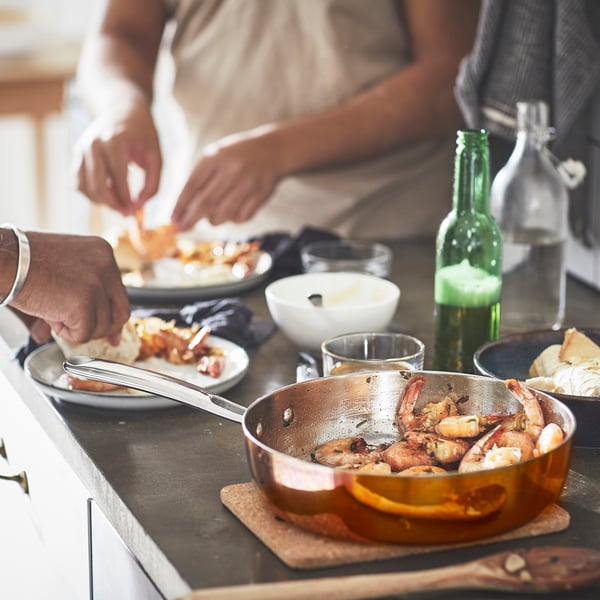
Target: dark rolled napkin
{"type": "Point", "coordinates": [285, 249]}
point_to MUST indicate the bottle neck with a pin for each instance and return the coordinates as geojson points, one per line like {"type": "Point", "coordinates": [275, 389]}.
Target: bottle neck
{"type": "Point", "coordinates": [532, 125]}
{"type": "Point", "coordinates": [471, 172]}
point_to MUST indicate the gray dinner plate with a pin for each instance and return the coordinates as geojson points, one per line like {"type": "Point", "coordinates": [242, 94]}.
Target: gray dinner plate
{"type": "Point", "coordinates": [44, 366]}
{"type": "Point", "coordinates": [169, 294]}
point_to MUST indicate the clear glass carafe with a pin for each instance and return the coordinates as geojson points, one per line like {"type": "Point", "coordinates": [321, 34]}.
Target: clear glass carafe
{"type": "Point", "coordinates": [529, 200]}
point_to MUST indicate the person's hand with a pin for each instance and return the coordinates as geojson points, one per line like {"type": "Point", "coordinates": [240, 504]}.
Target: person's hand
{"type": "Point", "coordinates": [230, 181]}
{"type": "Point", "coordinates": [107, 148]}
{"type": "Point", "coordinates": [39, 330]}
{"type": "Point", "coordinates": [73, 287]}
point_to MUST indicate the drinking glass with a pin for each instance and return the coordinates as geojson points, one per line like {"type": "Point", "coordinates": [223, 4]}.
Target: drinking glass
{"type": "Point", "coordinates": [356, 352]}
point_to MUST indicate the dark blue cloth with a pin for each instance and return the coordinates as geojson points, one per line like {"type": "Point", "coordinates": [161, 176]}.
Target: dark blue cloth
{"type": "Point", "coordinates": [285, 249]}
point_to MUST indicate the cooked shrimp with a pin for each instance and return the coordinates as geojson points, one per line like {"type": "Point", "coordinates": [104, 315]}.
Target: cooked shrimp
{"type": "Point", "coordinates": [423, 470]}
{"type": "Point", "coordinates": [381, 468]}
{"type": "Point", "coordinates": [551, 437]}
{"type": "Point", "coordinates": [89, 385]}
{"type": "Point", "coordinates": [473, 459]}
{"type": "Point", "coordinates": [517, 439]}
{"type": "Point", "coordinates": [445, 451]}
{"type": "Point", "coordinates": [531, 407]}
{"type": "Point", "coordinates": [153, 244]}
{"type": "Point", "coordinates": [401, 456]}
{"type": "Point", "coordinates": [499, 447]}
{"type": "Point", "coordinates": [350, 452]}
{"type": "Point", "coordinates": [431, 414]}
{"type": "Point", "coordinates": [466, 426]}
{"type": "Point", "coordinates": [212, 365]}
{"type": "Point", "coordinates": [501, 456]}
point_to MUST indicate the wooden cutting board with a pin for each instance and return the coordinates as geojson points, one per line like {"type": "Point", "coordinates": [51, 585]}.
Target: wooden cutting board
{"type": "Point", "coordinates": [301, 549]}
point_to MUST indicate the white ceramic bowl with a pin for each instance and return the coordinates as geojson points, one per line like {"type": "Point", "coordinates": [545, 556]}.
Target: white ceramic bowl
{"type": "Point", "coordinates": [351, 302]}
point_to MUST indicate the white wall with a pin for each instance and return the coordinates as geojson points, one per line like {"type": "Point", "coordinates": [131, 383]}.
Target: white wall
{"type": "Point", "coordinates": [18, 195]}
{"type": "Point", "coordinates": [68, 211]}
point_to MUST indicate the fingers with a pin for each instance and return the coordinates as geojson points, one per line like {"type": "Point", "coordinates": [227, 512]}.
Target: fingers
{"type": "Point", "coordinates": [106, 150]}
{"type": "Point", "coordinates": [102, 319]}
{"type": "Point", "coordinates": [187, 205]}
{"type": "Point", "coordinates": [151, 164]}
{"type": "Point", "coordinates": [98, 306]}
{"type": "Point", "coordinates": [38, 328]}
{"type": "Point", "coordinates": [40, 331]}
{"type": "Point", "coordinates": [230, 181]}
{"type": "Point", "coordinates": [100, 182]}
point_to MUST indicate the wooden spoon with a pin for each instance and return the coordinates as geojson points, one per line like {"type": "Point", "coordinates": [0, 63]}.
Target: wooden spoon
{"type": "Point", "coordinates": [541, 569]}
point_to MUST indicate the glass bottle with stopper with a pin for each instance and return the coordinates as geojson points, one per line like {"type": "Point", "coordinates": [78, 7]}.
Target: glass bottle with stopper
{"type": "Point", "coordinates": [468, 279]}
{"type": "Point", "coordinates": [529, 200]}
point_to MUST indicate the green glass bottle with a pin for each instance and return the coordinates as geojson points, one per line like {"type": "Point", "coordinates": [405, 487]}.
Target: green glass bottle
{"type": "Point", "coordinates": [468, 279]}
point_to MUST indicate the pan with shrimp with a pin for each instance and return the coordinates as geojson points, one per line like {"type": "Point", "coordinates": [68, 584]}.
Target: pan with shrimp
{"type": "Point", "coordinates": [412, 458]}
{"type": "Point", "coordinates": [395, 456]}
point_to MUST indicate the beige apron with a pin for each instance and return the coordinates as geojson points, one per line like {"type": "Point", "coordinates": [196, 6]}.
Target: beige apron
{"type": "Point", "coordinates": [242, 63]}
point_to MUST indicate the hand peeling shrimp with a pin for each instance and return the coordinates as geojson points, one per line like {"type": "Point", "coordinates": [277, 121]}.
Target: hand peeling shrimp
{"type": "Point", "coordinates": [153, 244]}
{"type": "Point", "coordinates": [432, 413]}
{"type": "Point", "coordinates": [350, 452]}
{"type": "Point", "coordinates": [531, 407]}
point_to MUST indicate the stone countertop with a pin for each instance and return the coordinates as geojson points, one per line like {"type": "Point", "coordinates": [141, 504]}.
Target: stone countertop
{"type": "Point", "coordinates": [157, 474]}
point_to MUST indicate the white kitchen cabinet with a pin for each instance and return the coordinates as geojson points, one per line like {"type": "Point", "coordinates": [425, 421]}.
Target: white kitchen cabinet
{"type": "Point", "coordinates": [115, 574]}
{"type": "Point", "coordinates": [51, 519]}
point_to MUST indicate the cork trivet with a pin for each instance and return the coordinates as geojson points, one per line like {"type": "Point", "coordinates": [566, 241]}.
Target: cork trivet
{"type": "Point", "coordinates": [301, 549]}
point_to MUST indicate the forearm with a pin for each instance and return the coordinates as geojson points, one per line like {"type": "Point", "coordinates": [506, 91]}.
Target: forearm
{"type": "Point", "coordinates": [112, 73]}
{"type": "Point", "coordinates": [416, 103]}
{"type": "Point", "coordinates": [119, 56]}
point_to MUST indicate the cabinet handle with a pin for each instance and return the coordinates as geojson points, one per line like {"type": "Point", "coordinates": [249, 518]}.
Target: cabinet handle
{"type": "Point", "coordinates": [3, 449]}
{"type": "Point", "coordinates": [21, 479]}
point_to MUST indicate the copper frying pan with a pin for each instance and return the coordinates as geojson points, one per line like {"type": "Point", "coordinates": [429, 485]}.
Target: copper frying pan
{"type": "Point", "coordinates": [282, 428]}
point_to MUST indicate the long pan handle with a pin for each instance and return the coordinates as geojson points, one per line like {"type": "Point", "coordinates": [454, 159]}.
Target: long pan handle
{"type": "Point", "coordinates": [152, 382]}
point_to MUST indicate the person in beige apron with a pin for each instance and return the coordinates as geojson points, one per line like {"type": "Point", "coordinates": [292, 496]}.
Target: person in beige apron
{"type": "Point", "coordinates": [337, 114]}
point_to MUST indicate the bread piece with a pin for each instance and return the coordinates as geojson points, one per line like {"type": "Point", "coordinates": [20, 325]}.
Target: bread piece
{"type": "Point", "coordinates": [546, 362]}
{"type": "Point", "coordinates": [546, 384]}
{"type": "Point", "coordinates": [581, 379]}
{"type": "Point", "coordinates": [577, 347]}
{"type": "Point", "coordinates": [126, 352]}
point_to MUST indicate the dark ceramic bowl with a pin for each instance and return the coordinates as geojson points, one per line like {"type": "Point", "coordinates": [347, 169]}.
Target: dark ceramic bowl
{"type": "Point", "coordinates": [512, 355]}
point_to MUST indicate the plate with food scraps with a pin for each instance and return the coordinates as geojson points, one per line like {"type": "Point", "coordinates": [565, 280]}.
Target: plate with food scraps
{"type": "Point", "coordinates": [44, 366]}
{"type": "Point", "coordinates": [193, 269]}
{"type": "Point", "coordinates": [514, 356]}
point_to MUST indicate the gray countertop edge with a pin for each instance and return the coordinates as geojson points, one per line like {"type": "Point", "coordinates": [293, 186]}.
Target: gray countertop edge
{"type": "Point", "coordinates": [157, 566]}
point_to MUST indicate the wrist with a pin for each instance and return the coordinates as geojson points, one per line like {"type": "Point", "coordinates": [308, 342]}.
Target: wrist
{"type": "Point", "coordinates": [15, 258]}
{"type": "Point", "coordinates": [9, 250]}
